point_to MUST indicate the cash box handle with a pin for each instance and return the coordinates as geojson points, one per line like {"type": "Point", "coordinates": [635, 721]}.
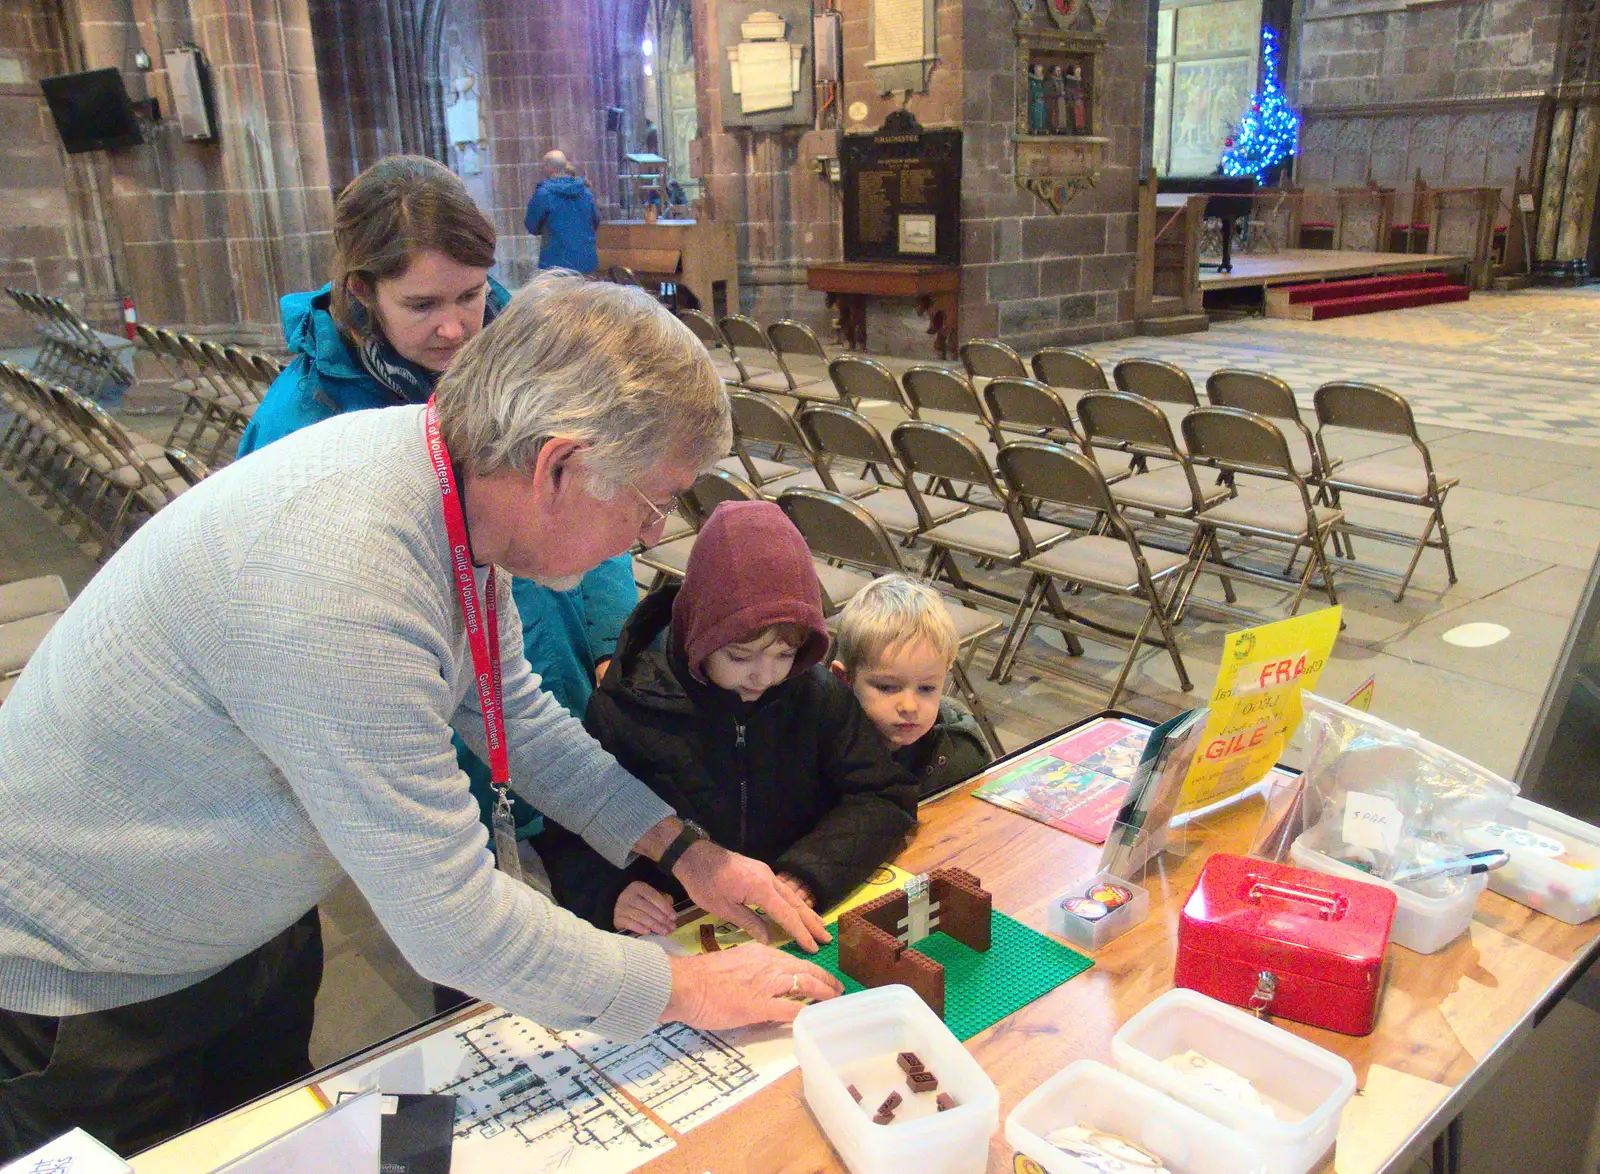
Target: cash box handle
{"type": "Point", "coordinates": [1329, 905]}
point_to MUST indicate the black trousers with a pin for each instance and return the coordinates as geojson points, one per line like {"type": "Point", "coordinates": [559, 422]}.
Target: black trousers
{"type": "Point", "coordinates": [135, 1075]}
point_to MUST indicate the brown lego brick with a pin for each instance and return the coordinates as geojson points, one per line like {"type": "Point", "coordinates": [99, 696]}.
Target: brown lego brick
{"type": "Point", "coordinates": [886, 912]}
{"type": "Point", "coordinates": [883, 1118]}
{"type": "Point", "coordinates": [909, 1062]}
{"type": "Point", "coordinates": [890, 1103]}
{"type": "Point", "coordinates": [708, 938]}
{"type": "Point", "coordinates": [945, 1101]}
{"type": "Point", "coordinates": [855, 1093]}
{"type": "Point", "coordinates": [965, 907]}
{"type": "Point", "coordinates": [922, 1081]}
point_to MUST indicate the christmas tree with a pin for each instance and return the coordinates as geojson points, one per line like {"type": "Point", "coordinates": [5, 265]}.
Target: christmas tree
{"type": "Point", "coordinates": [1269, 132]}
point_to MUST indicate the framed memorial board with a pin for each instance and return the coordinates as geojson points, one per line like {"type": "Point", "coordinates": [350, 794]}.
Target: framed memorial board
{"type": "Point", "coordinates": [902, 193]}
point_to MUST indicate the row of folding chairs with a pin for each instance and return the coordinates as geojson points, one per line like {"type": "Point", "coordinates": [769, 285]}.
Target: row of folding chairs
{"type": "Point", "coordinates": [66, 450]}
{"type": "Point", "coordinates": [73, 352]}
{"type": "Point", "coordinates": [221, 385]}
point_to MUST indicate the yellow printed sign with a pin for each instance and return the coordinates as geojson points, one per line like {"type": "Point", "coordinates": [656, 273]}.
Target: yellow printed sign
{"type": "Point", "coordinates": [1362, 698]}
{"type": "Point", "coordinates": [1255, 705]}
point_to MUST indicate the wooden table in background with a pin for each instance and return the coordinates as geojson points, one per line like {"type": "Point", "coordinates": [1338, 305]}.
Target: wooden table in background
{"type": "Point", "coordinates": [1446, 1020]}
{"type": "Point", "coordinates": [848, 285]}
{"type": "Point", "coordinates": [698, 254]}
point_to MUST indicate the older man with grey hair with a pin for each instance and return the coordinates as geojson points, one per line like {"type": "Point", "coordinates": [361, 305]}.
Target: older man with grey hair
{"type": "Point", "coordinates": [563, 214]}
{"type": "Point", "coordinates": [255, 697]}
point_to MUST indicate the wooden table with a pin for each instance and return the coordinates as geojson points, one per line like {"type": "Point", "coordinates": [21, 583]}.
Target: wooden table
{"type": "Point", "coordinates": [1446, 1020]}
{"type": "Point", "coordinates": [848, 285]}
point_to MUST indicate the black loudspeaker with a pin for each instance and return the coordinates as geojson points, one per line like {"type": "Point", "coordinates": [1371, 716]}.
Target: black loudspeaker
{"type": "Point", "coordinates": [614, 118]}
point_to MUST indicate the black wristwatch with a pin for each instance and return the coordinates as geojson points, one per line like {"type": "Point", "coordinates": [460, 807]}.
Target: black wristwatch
{"type": "Point", "coordinates": [692, 833]}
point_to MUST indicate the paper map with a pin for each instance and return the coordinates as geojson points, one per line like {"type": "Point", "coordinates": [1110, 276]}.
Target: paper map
{"type": "Point", "coordinates": [536, 1100]}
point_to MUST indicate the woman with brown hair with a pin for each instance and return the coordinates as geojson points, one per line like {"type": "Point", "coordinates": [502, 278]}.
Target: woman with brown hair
{"type": "Point", "coordinates": [410, 286]}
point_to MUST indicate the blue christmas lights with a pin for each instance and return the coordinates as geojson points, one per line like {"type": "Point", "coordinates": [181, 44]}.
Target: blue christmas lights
{"type": "Point", "coordinates": [1269, 132]}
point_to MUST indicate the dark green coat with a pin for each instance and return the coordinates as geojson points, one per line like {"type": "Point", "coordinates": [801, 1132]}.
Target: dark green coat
{"type": "Point", "coordinates": [798, 778]}
{"type": "Point", "coordinates": [950, 753]}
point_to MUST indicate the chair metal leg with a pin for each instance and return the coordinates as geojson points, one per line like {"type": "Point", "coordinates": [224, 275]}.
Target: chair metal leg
{"type": "Point", "coordinates": [1127, 663]}
{"type": "Point", "coordinates": [1416, 556]}
{"type": "Point", "coordinates": [1001, 669]}
{"type": "Point", "coordinates": [1167, 634]}
{"type": "Point", "coordinates": [975, 703]}
{"type": "Point", "coordinates": [1444, 541]}
{"type": "Point", "coordinates": [1059, 610]}
{"type": "Point", "coordinates": [1027, 622]}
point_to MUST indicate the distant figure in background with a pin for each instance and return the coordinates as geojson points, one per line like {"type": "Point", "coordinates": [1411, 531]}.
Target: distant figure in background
{"type": "Point", "coordinates": [562, 211]}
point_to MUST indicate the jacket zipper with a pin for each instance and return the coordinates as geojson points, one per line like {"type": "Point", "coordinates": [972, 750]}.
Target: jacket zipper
{"type": "Point", "coordinates": [744, 785]}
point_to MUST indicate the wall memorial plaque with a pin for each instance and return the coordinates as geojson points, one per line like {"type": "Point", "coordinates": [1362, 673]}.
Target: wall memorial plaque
{"type": "Point", "coordinates": [902, 193]}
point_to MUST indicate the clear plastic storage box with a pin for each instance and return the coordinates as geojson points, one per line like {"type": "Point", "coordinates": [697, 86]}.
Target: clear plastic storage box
{"type": "Point", "coordinates": [1555, 860]}
{"type": "Point", "coordinates": [854, 1040]}
{"type": "Point", "coordinates": [1426, 924]}
{"type": "Point", "coordinates": [1305, 1087]}
{"type": "Point", "coordinates": [1089, 1093]}
{"type": "Point", "coordinates": [1091, 935]}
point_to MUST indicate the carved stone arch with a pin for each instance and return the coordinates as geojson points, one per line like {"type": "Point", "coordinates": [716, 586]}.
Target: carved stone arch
{"type": "Point", "coordinates": [430, 23]}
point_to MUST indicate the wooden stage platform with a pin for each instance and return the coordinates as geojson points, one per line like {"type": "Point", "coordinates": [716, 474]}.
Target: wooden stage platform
{"type": "Point", "coordinates": [1290, 266]}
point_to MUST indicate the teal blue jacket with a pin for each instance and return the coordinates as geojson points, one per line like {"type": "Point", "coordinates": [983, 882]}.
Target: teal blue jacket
{"type": "Point", "coordinates": [564, 633]}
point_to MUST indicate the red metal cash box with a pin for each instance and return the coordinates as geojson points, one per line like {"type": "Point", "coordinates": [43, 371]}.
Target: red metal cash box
{"type": "Point", "coordinates": [1286, 942]}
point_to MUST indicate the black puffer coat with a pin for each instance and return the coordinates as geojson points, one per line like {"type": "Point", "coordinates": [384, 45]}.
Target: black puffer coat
{"type": "Point", "coordinates": [797, 778]}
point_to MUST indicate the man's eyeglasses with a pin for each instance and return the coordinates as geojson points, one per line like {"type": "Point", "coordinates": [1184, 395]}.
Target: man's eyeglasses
{"type": "Point", "coordinates": [658, 515]}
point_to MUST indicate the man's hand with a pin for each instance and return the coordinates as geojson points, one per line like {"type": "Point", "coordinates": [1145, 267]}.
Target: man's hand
{"type": "Point", "coordinates": [644, 909]}
{"type": "Point", "coordinates": [747, 984]}
{"type": "Point", "coordinates": [731, 887]}
{"type": "Point", "coordinates": [798, 887]}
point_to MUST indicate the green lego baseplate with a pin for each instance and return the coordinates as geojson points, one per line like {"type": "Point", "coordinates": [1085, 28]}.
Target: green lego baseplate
{"type": "Point", "coordinates": [980, 989]}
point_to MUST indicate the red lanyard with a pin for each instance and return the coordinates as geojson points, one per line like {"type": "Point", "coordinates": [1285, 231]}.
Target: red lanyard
{"type": "Point", "coordinates": [483, 640]}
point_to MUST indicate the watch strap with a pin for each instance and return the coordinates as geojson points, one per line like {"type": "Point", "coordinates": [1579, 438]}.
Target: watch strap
{"type": "Point", "coordinates": [691, 834]}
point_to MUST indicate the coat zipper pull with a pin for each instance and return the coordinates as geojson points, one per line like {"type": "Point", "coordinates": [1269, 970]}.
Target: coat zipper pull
{"type": "Point", "coordinates": [744, 786]}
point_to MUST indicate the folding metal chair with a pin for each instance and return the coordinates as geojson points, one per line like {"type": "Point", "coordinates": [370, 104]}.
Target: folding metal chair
{"type": "Point", "coordinates": [752, 350]}
{"type": "Point", "coordinates": [988, 358]}
{"type": "Point", "coordinates": [669, 559]}
{"type": "Point", "coordinates": [1267, 395]}
{"type": "Point", "coordinates": [1113, 562]}
{"type": "Point", "coordinates": [841, 529]}
{"type": "Point", "coordinates": [1134, 425]}
{"type": "Point", "coordinates": [856, 378]}
{"type": "Point", "coordinates": [1366, 407]}
{"type": "Point", "coordinates": [899, 506]}
{"type": "Point", "coordinates": [1067, 369]}
{"type": "Point", "coordinates": [1156, 380]}
{"type": "Point", "coordinates": [762, 419]}
{"type": "Point", "coordinates": [722, 358]}
{"type": "Point", "coordinates": [1004, 535]}
{"type": "Point", "coordinates": [1244, 443]}
{"type": "Point", "coordinates": [946, 397]}
{"type": "Point", "coordinates": [804, 361]}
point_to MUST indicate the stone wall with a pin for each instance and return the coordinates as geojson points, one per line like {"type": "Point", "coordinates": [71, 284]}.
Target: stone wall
{"type": "Point", "coordinates": [1393, 88]}
{"type": "Point", "coordinates": [201, 235]}
{"type": "Point", "coordinates": [1034, 278]}
{"type": "Point", "coordinates": [42, 246]}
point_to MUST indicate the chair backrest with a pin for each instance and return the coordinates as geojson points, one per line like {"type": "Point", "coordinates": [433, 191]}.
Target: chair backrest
{"type": "Point", "coordinates": [703, 328]}
{"type": "Point", "coordinates": [715, 486]}
{"type": "Point", "coordinates": [622, 275]}
{"type": "Point", "coordinates": [1121, 418]}
{"type": "Point", "coordinates": [856, 378]}
{"type": "Point", "coordinates": [1254, 391]}
{"type": "Point", "coordinates": [1238, 441]}
{"type": "Point", "coordinates": [842, 432]}
{"type": "Point", "coordinates": [1051, 472]}
{"type": "Point", "coordinates": [241, 364]}
{"type": "Point", "coordinates": [938, 390]}
{"type": "Point", "coordinates": [836, 527]}
{"type": "Point", "coordinates": [146, 337]}
{"type": "Point", "coordinates": [1366, 407]}
{"type": "Point", "coordinates": [190, 468]}
{"type": "Point", "coordinates": [1027, 403]}
{"type": "Point", "coordinates": [269, 367]}
{"type": "Point", "coordinates": [759, 417]}
{"type": "Point", "coordinates": [992, 358]}
{"type": "Point", "coordinates": [796, 340]}
{"type": "Point", "coordinates": [937, 451]}
{"type": "Point", "coordinates": [743, 333]}
{"type": "Point", "coordinates": [1156, 380]}
{"type": "Point", "coordinates": [1061, 366]}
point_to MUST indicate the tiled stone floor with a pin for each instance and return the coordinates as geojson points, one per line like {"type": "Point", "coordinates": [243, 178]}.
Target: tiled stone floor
{"type": "Point", "coordinates": [1508, 389]}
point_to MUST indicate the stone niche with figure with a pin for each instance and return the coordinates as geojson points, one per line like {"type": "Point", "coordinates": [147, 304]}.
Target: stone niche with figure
{"type": "Point", "coordinates": [1059, 135]}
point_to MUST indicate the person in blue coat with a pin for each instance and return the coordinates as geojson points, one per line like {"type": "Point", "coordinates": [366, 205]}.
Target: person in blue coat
{"type": "Point", "coordinates": [563, 212]}
{"type": "Point", "coordinates": [410, 287]}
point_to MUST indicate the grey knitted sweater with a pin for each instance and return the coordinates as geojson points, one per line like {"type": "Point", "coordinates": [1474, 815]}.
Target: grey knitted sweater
{"type": "Point", "coordinates": [254, 698]}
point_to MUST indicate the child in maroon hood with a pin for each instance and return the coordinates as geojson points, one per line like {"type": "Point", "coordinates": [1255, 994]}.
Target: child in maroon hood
{"type": "Point", "coordinates": [718, 700]}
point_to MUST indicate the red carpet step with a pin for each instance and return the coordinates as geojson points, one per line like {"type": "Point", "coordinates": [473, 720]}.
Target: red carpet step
{"type": "Point", "coordinates": [1314, 301]}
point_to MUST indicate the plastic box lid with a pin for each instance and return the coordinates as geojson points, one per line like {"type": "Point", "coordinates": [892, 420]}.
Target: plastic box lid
{"type": "Point", "coordinates": [1289, 920]}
